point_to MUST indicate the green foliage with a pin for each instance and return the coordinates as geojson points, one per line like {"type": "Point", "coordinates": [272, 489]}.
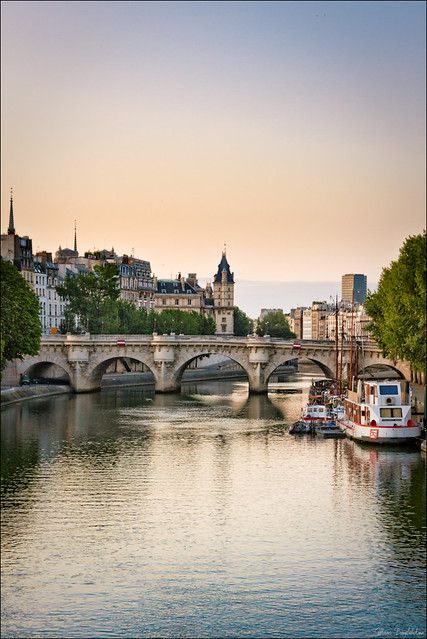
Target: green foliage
{"type": "Point", "coordinates": [88, 298]}
{"type": "Point", "coordinates": [398, 307]}
{"type": "Point", "coordinates": [187, 323]}
{"type": "Point", "coordinates": [19, 319]}
{"type": "Point", "coordinates": [274, 324]}
{"type": "Point", "coordinates": [243, 325]}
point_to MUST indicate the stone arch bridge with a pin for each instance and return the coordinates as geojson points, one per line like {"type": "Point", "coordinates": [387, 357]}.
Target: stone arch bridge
{"type": "Point", "coordinates": [86, 357]}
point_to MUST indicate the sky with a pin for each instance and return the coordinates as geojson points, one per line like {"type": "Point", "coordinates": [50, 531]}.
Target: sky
{"type": "Point", "coordinates": [292, 132]}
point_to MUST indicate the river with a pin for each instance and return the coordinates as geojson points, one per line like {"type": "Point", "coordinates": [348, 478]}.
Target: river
{"type": "Point", "coordinates": [126, 514]}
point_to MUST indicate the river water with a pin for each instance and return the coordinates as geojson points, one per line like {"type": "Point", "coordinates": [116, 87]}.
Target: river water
{"type": "Point", "coordinates": [126, 514]}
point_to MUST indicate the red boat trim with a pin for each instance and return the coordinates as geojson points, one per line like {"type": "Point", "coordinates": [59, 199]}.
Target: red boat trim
{"type": "Point", "coordinates": [353, 424]}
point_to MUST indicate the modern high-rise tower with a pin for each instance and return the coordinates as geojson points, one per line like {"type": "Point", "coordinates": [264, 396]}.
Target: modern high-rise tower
{"type": "Point", "coordinates": [354, 288]}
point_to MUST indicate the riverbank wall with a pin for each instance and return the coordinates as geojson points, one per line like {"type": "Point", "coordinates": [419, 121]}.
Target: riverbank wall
{"type": "Point", "coordinates": [21, 393]}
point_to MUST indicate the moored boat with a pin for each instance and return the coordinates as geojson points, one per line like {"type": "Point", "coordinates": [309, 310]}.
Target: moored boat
{"type": "Point", "coordinates": [301, 428]}
{"type": "Point", "coordinates": [315, 413]}
{"type": "Point", "coordinates": [329, 429]}
{"type": "Point", "coordinates": [379, 412]}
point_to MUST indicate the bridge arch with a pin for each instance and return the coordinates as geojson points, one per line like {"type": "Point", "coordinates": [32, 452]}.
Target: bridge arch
{"type": "Point", "coordinates": [39, 365]}
{"type": "Point", "coordinates": [46, 370]}
{"type": "Point", "coordinates": [99, 365]}
{"type": "Point", "coordinates": [283, 359]}
{"type": "Point", "coordinates": [182, 363]}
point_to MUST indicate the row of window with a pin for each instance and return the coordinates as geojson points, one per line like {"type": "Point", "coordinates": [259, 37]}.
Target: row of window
{"type": "Point", "coordinates": [165, 302]}
{"type": "Point", "coordinates": [58, 310]}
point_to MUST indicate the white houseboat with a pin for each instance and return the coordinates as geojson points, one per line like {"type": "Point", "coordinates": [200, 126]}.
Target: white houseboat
{"type": "Point", "coordinates": [379, 412]}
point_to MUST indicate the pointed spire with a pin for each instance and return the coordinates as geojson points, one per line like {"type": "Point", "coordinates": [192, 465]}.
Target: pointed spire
{"type": "Point", "coordinates": [11, 228]}
{"type": "Point", "coordinates": [75, 237]}
{"type": "Point", "coordinates": [224, 266]}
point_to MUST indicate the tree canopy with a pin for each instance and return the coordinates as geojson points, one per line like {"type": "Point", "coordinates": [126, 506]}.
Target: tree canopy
{"type": "Point", "coordinates": [88, 298]}
{"type": "Point", "coordinates": [398, 307]}
{"type": "Point", "coordinates": [274, 324]}
{"type": "Point", "coordinates": [243, 325]}
{"type": "Point", "coordinates": [19, 318]}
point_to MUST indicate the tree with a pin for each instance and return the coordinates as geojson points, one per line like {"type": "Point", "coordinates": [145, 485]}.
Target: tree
{"type": "Point", "coordinates": [274, 324]}
{"type": "Point", "coordinates": [398, 307]}
{"type": "Point", "coordinates": [89, 298]}
{"type": "Point", "coordinates": [19, 319]}
{"type": "Point", "coordinates": [243, 325]}
{"type": "Point", "coordinates": [187, 323]}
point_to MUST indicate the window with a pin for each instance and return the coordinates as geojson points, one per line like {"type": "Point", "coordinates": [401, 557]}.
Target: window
{"type": "Point", "coordinates": [189, 302]}
{"type": "Point", "coordinates": [390, 412]}
{"type": "Point", "coordinates": [389, 390]}
{"type": "Point", "coordinates": [164, 302]}
{"type": "Point", "coordinates": [176, 302]}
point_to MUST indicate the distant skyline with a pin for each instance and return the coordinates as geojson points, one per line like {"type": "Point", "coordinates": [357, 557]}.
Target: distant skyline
{"type": "Point", "coordinates": [293, 132]}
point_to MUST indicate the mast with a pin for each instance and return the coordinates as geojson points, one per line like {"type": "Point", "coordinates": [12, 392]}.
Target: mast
{"type": "Point", "coordinates": [336, 340]}
{"type": "Point", "coordinates": [350, 372]}
{"type": "Point", "coordinates": [342, 340]}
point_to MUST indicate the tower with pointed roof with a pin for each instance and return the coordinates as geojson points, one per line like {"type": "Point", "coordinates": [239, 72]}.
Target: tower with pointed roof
{"type": "Point", "coordinates": [11, 227]}
{"type": "Point", "coordinates": [223, 293]}
{"type": "Point", "coordinates": [75, 238]}
{"type": "Point", "coordinates": [10, 241]}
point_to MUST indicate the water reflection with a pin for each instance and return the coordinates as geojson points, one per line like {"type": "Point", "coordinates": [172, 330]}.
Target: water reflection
{"type": "Point", "coordinates": [134, 514]}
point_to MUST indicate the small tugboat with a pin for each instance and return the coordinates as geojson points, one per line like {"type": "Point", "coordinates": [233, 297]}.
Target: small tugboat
{"type": "Point", "coordinates": [379, 412]}
{"type": "Point", "coordinates": [313, 414]}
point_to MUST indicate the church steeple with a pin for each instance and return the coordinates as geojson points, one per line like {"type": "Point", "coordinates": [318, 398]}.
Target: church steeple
{"type": "Point", "coordinates": [75, 237]}
{"type": "Point", "coordinates": [11, 227]}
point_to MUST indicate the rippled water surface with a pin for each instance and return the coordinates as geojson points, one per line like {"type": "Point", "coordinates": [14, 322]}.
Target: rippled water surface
{"type": "Point", "coordinates": [126, 514]}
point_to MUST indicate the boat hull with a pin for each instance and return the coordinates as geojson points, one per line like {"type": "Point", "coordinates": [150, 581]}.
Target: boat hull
{"type": "Point", "coordinates": [380, 435]}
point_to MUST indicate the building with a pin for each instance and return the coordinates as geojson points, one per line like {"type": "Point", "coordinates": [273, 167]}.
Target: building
{"type": "Point", "coordinates": [223, 298]}
{"type": "Point", "coordinates": [18, 250]}
{"type": "Point", "coordinates": [185, 294]}
{"type": "Point", "coordinates": [182, 294]}
{"type": "Point", "coordinates": [40, 273]}
{"type": "Point", "coordinates": [354, 288]}
{"type": "Point", "coordinates": [306, 323]}
{"type": "Point", "coordinates": [319, 313]}
{"type": "Point", "coordinates": [296, 321]}
{"type": "Point", "coordinates": [48, 276]}
{"type": "Point", "coordinates": [136, 282]}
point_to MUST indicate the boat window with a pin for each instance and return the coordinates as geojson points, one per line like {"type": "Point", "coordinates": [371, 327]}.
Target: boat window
{"type": "Point", "coordinates": [389, 390]}
{"type": "Point", "coordinates": [390, 412]}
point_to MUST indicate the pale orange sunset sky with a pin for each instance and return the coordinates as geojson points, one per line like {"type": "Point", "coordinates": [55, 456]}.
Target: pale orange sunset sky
{"type": "Point", "coordinates": [294, 132]}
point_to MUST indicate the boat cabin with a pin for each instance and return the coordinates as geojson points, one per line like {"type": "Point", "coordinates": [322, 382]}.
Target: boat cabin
{"type": "Point", "coordinates": [379, 403]}
{"type": "Point", "coordinates": [315, 411]}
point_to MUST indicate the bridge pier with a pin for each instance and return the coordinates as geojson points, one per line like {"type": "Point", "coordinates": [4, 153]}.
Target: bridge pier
{"type": "Point", "coordinates": [257, 383]}
{"type": "Point", "coordinates": [80, 382]}
{"type": "Point", "coordinates": [165, 380]}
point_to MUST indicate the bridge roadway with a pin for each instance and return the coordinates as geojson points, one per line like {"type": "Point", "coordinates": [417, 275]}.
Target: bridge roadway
{"type": "Point", "coordinates": [86, 357]}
